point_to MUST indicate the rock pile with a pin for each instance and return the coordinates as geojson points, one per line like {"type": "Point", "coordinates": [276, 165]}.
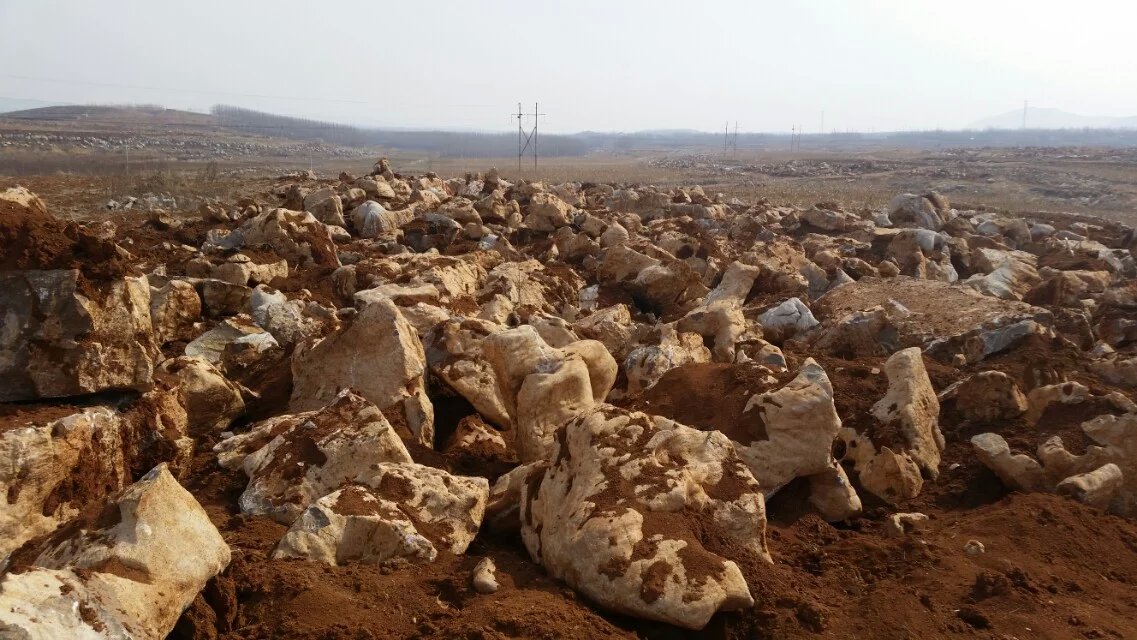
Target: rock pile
{"type": "Point", "coordinates": [622, 375]}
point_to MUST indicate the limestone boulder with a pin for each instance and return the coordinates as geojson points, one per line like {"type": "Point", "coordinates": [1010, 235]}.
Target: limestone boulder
{"type": "Point", "coordinates": [615, 511]}
{"type": "Point", "coordinates": [211, 401]}
{"type": "Point", "coordinates": [399, 510]}
{"type": "Point", "coordinates": [547, 212]}
{"type": "Point", "coordinates": [129, 576]}
{"type": "Point", "coordinates": [380, 356]}
{"type": "Point", "coordinates": [294, 460]}
{"type": "Point", "coordinates": [326, 206]}
{"type": "Point", "coordinates": [542, 386]}
{"type": "Point", "coordinates": [646, 364]}
{"type": "Point", "coordinates": [174, 310]}
{"type": "Point", "coordinates": [59, 340]}
{"type": "Point", "coordinates": [296, 236]}
{"type": "Point", "coordinates": [786, 320]}
{"type": "Point", "coordinates": [455, 355]}
{"type": "Point", "coordinates": [789, 433]}
{"type": "Point", "coordinates": [51, 470]}
{"type": "Point", "coordinates": [912, 405]}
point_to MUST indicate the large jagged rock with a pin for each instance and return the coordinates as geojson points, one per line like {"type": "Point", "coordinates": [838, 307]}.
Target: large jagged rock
{"type": "Point", "coordinates": [174, 309]}
{"type": "Point", "coordinates": [646, 364]}
{"type": "Point", "coordinates": [927, 211]}
{"type": "Point", "coordinates": [294, 460]}
{"type": "Point", "coordinates": [210, 399]}
{"type": "Point", "coordinates": [326, 206]}
{"type": "Point", "coordinates": [786, 320]}
{"type": "Point", "coordinates": [59, 340]}
{"type": "Point", "coordinates": [455, 355]}
{"type": "Point", "coordinates": [380, 356]}
{"type": "Point", "coordinates": [399, 510]}
{"type": "Point", "coordinates": [791, 431]}
{"type": "Point", "coordinates": [949, 321]}
{"type": "Point", "coordinates": [912, 404]}
{"type": "Point", "coordinates": [720, 317]}
{"type": "Point", "coordinates": [131, 576]}
{"type": "Point", "coordinates": [542, 387]}
{"type": "Point", "coordinates": [613, 514]}
{"type": "Point", "coordinates": [50, 471]}
{"type": "Point", "coordinates": [294, 235]}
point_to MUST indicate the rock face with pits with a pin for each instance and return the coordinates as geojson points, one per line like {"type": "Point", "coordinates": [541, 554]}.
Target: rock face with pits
{"type": "Point", "coordinates": [542, 387]}
{"type": "Point", "coordinates": [380, 356]}
{"type": "Point", "coordinates": [611, 514]}
{"type": "Point", "coordinates": [61, 341]}
{"type": "Point", "coordinates": [129, 576]}
{"type": "Point", "coordinates": [398, 510]}
{"type": "Point", "coordinates": [294, 460]}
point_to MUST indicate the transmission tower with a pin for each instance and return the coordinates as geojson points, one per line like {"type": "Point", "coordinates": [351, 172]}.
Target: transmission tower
{"type": "Point", "coordinates": [729, 140]}
{"type": "Point", "coordinates": [526, 139]}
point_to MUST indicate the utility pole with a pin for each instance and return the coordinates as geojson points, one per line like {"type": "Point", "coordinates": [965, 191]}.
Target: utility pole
{"type": "Point", "coordinates": [526, 139]}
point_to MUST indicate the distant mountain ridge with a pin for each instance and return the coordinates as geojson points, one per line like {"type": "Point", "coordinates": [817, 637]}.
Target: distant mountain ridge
{"type": "Point", "coordinates": [1046, 118]}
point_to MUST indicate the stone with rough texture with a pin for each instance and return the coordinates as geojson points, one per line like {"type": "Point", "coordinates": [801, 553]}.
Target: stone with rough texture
{"type": "Point", "coordinates": [911, 401]}
{"type": "Point", "coordinates": [397, 510]}
{"type": "Point", "coordinates": [131, 577]}
{"type": "Point", "coordinates": [210, 399]}
{"type": "Point", "coordinates": [58, 341]}
{"type": "Point", "coordinates": [542, 387]}
{"type": "Point", "coordinates": [380, 356]}
{"type": "Point", "coordinates": [987, 396]}
{"type": "Point", "coordinates": [294, 460]}
{"type": "Point", "coordinates": [612, 516]}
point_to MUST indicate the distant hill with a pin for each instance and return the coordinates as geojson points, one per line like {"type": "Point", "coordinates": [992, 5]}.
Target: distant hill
{"type": "Point", "coordinates": [20, 104]}
{"type": "Point", "coordinates": [1043, 118]}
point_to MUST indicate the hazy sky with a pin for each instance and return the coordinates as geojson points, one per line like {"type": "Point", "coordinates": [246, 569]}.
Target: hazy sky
{"type": "Point", "coordinates": [593, 65]}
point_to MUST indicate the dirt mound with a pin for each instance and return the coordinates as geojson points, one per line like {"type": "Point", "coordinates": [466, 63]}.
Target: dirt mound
{"type": "Point", "coordinates": [33, 239]}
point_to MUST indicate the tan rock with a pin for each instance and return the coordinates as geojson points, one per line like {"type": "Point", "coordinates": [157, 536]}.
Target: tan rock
{"type": "Point", "coordinates": [379, 356]}
{"type": "Point", "coordinates": [130, 579]}
{"type": "Point", "coordinates": [911, 401]}
{"type": "Point", "coordinates": [294, 460]}
{"type": "Point", "coordinates": [211, 401]}
{"type": "Point", "coordinates": [607, 516]}
{"type": "Point", "coordinates": [59, 342]}
{"type": "Point", "coordinates": [399, 510]}
{"type": "Point", "coordinates": [542, 387]}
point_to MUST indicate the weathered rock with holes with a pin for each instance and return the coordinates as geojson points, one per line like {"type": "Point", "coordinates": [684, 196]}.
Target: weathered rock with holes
{"type": "Point", "coordinates": [59, 341]}
{"type": "Point", "coordinates": [131, 576]}
{"type": "Point", "coordinates": [398, 510]}
{"type": "Point", "coordinates": [294, 460]}
{"type": "Point", "coordinates": [294, 235]}
{"type": "Point", "coordinates": [380, 356]}
{"type": "Point", "coordinates": [612, 516]}
{"type": "Point", "coordinates": [455, 355]}
{"type": "Point", "coordinates": [542, 387]}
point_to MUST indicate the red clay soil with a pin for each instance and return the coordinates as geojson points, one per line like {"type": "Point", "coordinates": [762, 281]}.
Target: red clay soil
{"type": "Point", "coordinates": [30, 239]}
